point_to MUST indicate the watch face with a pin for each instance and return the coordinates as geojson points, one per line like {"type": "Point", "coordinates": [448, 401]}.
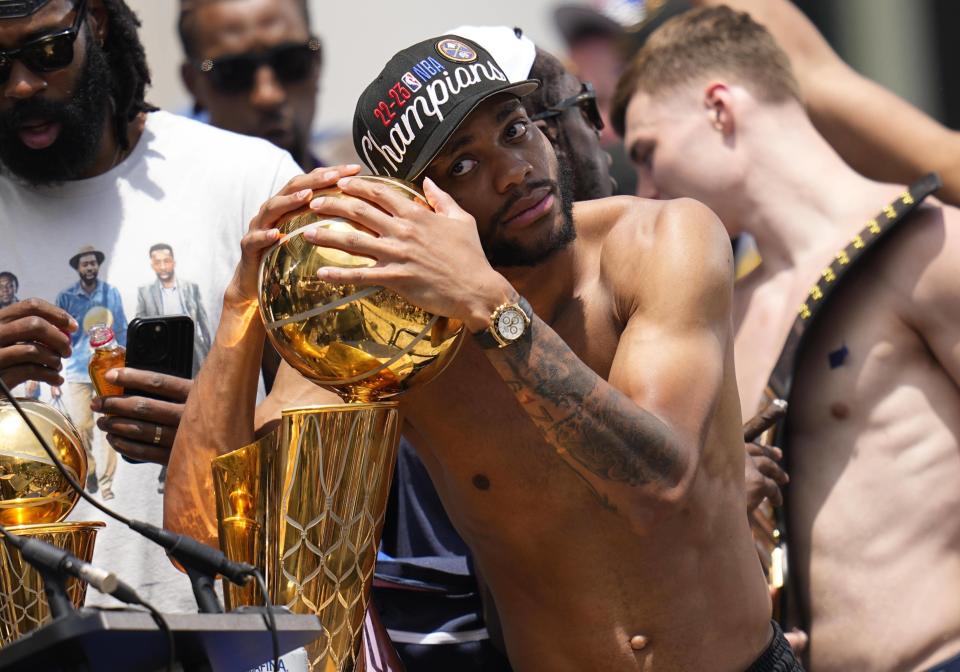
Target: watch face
{"type": "Point", "coordinates": [510, 324]}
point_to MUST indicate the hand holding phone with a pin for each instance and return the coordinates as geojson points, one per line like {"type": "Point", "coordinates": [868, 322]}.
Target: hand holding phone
{"type": "Point", "coordinates": [162, 345]}
{"type": "Point", "coordinates": [142, 424]}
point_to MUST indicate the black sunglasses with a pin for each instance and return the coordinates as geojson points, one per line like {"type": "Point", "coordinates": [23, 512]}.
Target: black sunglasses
{"type": "Point", "coordinates": [586, 100]}
{"type": "Point", "coordinates": [47, 53]}
{"type": "Point", "coordinates": [235, 73]}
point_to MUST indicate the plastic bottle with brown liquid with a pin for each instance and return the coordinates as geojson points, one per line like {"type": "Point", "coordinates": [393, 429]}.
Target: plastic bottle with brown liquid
{"type": "Point", "coordinates": [107, 354]}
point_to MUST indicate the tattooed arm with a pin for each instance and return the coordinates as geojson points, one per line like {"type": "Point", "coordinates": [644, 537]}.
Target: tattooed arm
{"type": "Point", "coordinates": [640, 434]}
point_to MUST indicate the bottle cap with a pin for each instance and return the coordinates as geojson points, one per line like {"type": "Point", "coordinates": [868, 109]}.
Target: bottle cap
{"type": "Point", "coordinates": [100, 334]}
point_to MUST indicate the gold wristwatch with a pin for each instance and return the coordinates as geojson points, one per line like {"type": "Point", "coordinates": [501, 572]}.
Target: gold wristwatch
{"type": "Point", "coordinates": [509, 323]}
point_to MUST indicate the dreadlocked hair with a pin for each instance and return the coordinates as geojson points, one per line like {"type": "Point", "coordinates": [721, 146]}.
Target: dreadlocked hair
{"type": "Point", "coordinates": [128, 63]}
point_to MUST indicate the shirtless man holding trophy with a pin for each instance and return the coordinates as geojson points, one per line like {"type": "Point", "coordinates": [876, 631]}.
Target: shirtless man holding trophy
{"type": "Point", "coordinates": [586, 440]}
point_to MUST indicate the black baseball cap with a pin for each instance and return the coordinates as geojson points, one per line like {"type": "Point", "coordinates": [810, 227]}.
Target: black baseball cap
{"type": "Point", "coordinates": [15, 9]}
{"type": "Point", "coordinates": [406, 115]}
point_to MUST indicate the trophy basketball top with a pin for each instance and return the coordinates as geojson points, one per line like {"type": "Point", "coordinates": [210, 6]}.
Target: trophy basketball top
{"type": "Point", "coordinates": [365, 343]}
{"type": "Point", "coordinates": [32, 490]}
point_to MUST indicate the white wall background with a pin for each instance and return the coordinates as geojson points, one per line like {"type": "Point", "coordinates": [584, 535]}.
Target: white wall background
{"type": "Point", "coordinates": [359, 37]}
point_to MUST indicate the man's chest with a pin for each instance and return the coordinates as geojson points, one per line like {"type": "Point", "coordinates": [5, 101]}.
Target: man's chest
{"type": "Point", "coordinates": [854, 352]}
{"type": "Point", "coordinates": [857, 354]}
{"type": "Point", "coordinates": [482, 446]}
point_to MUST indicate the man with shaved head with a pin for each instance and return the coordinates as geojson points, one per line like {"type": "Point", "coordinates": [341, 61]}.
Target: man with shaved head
{"type": "Point", "coordinates": [254, 68]}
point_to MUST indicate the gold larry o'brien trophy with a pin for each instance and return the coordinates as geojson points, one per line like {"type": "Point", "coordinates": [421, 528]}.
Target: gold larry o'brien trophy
{"type": "Point", "coordinates": [306, 503]}
{"type": "Point", "coordinates": [34, 499]}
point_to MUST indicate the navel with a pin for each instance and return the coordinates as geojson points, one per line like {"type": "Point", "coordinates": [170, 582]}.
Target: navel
{"type": "Point", "coordinates": [481, 482]}
{"type": "Point", "coordinates": [638, 642]}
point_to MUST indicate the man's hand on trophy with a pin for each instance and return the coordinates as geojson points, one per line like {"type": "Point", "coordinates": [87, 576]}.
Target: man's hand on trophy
{"type": "Point", "coordinates": [434, 259]}
{"type": "Point", "coordinates": [34, 337]}
{"type": "Point", "coordinates": [263, 232]}
{"type": "Point", "coordinates": [764, 475]}
{"type": "Point", "coordinates": [142, 428]}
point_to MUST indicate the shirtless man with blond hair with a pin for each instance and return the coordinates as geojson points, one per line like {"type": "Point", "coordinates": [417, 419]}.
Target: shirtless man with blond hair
{"type": "Point", "coordinates": [605, 504]}
{"type": "Point", "coordinates": [872, 440]}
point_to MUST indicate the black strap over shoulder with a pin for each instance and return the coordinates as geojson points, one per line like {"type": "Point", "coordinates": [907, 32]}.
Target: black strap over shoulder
{"type": "Point", "coordinates": [878, 228]}
{"type": "Point", "coordinates": [781, 378]}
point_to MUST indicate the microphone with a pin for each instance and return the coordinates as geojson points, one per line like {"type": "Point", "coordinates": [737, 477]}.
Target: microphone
{"type": "Point", "coordinates": [46, 556]}
{"type": "Point", "coordinates": [191, 553]}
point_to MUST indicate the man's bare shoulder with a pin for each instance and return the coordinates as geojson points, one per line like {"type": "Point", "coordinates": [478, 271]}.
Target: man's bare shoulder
{"type": "Point", "coordinates": [648, 245]}
{"type": "Point", "coordinates": [919, 264]}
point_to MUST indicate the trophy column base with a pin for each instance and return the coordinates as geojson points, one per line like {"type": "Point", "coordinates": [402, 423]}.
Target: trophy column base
{"type": "Point", "coordinates": [23, 604]}
{"type": "Point", "coordinates": [305, 505]}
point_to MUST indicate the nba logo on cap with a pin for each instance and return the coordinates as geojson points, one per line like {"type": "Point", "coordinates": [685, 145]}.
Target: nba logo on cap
{"type": "Point", "coordinates": [412, 82]}
{"type": "Point", "coordinates": [456, 51]}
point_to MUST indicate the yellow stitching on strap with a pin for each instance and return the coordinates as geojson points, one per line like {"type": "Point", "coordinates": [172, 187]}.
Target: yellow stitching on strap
{"type": "Point", "coordinates": [907, 198]}
{"type": "Point", "coordinates": [843, 258]}
{"type": "Point", "coordinates": [804, 311]}
{"type": "Point", "coordinates": [873, 226]}
{"type": "Point", "coordinates": [816, 294]}
{"type": "Point", "coordinates": [889, 211]}
{"type": "Point", "coordinates": [858, 242]}
{"type": "Point", "coordinates": [828, 274]}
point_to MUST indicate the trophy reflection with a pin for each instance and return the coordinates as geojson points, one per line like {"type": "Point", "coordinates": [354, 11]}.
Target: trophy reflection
{"type": "Point", "coordinates": [306, 503]}
{"type": "Point", "coordinates": [34, 500]}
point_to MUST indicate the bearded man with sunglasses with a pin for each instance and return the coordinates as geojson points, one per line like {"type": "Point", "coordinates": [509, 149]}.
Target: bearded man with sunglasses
{"type": "Point", "coordinates": [85, 160]}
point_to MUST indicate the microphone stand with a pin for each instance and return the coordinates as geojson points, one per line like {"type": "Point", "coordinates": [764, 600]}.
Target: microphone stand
{"type": "Point", "coordinates": [55, 588]}
{"type": "Point", "coordinates": [204, 592]}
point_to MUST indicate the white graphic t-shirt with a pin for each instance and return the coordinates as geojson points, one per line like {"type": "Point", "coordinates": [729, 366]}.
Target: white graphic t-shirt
{"type": "Point", "coordinates": [189, 187]}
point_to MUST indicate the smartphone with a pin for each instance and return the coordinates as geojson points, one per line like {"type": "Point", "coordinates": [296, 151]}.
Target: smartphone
{"type": "Point", "coordinates": [161, 344]}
